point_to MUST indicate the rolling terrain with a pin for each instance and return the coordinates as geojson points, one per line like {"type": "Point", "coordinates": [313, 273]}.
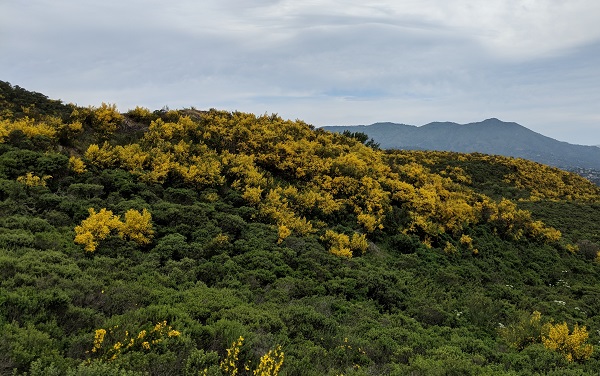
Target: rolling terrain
{"type": "Point", "coordinates": [188, 242]}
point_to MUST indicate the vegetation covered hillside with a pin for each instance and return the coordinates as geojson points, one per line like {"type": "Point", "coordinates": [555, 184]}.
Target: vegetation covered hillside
{"type": "Point", "coordinates": [186, 242]}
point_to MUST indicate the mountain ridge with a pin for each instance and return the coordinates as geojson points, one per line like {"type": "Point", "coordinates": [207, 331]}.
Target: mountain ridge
{"type": "Point", "coordinates": [490, 136]}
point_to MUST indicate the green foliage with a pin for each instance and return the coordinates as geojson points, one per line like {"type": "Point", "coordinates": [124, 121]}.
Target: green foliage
{"type": "Point", "coordinates": [446, 249]}
{"type": "Point", "coordinates": [20, 346]}
{"type": "Point", "coordinates": [527, 331]}
{"type": "Point", "coordinates": [16, 102]}
{"type": "Point", "coordinates": [362, 137]}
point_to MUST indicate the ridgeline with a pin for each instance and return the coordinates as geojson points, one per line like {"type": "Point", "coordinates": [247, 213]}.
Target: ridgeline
{"type": "Point", "coordinates": [491, 136]}
{"type": "Point", "coordinates": [187, 242]}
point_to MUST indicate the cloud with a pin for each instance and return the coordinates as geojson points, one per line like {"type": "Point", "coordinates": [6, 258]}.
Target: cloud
{"type": "Point", "coordinates": [510, 28]}
{"type": "Point", "coordinates": [328, 61]}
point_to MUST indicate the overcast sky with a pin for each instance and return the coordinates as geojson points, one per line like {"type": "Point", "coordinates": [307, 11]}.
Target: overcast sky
{"type": "Point", "coordinates": [327, 62]}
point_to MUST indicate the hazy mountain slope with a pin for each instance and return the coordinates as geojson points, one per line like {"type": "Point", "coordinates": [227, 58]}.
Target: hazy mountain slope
{"type": "Point", "coordinates": [490, 136]}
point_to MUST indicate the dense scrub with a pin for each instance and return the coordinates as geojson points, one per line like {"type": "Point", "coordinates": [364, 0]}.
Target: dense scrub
{"type": "Point", "coordinates": [153, 242]}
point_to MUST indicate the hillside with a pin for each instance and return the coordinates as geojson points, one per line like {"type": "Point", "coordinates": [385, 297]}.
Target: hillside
{"type": "Point", "coordinates": [189, 242]}
{"type": "Point", "coordinates": [490, 136]}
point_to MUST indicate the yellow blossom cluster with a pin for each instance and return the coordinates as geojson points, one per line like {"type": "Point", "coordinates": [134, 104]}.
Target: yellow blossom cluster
{"type": "Point", "coordinates": [48, 126]}
{"type": "Point", "coordinates": [556, 337]}
{"type": "Point", "coordinates": [99, 225]}
{"type": "Point", "coordinates": [77, 165]}
{"type": "Point", "coordinates": [269, 364]}
{"type": "Point", "coordinates": [106, 117]}
{"type": "Point", "coordinates": [29, 127]}
{"type": "Point", "coordinates": [229, 365]}
{"type": "Point", "coordinates": [98, 339]}
{"type": "Point", "coordinates": [572, 345]}
{"type": "Point", "coordinates": [31, 180]}
{"type": "Point", "coordinates": [343, 245]}
{"type": "Point", "coordinates": [124, 342]}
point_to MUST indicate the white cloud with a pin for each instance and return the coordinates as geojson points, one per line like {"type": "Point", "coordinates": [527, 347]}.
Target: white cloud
{"type": "Point", "coordinates": [510, 28]}
{"type": "Point", "coordinates": [535, 62]}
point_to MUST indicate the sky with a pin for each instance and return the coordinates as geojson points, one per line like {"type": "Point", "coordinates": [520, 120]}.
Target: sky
{"type": "Point", "coordinates": [327, 62]}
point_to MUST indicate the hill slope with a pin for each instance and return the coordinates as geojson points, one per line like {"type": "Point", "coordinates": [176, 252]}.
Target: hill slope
{"type": "Point", "coordinates": [490, 136]}
{"type": "Point", "coordinates": [201, 242]}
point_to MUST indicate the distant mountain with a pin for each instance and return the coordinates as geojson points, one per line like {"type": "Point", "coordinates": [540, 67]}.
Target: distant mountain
{"type": "Point", "coordinates": [491, 136]}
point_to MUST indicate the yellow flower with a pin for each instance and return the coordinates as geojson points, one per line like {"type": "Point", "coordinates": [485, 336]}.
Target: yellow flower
{"type": "Point", "coordinates": [98, 339]}
{"type": "Point", "coordinates": [159, 326]}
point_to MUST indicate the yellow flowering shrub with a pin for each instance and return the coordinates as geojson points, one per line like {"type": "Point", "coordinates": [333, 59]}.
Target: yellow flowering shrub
{"type": "Point", "coordinates": [201, 171]}
{"type": "Point", "coordinates": [466, 240]}
{"type": "Point", "coordinates": [229, 365]}
{"type": "Point", "coordinates": [31, 180]}
{"type": "Point", "coordinates": [137, 226]}
{"type": "Point", "coordinates": [572, 345]}
{"type": "Point", "coordinates": [283, 232]}
{"type": "Point", "coordinates": [110, 344]}
{"type": "Point", "coordinates": [107, 118]}
{"type": "Point", "coordinates": [359, 242]}
{"type": "Point", "coordinates": [103, 156]}
{"type": "Point", "coordinates": [99, 225]}
{"type": "Point", "coordinates": [160, 165]}
{"type": "Point", "coordinates": [253, 195]}
{"type": "Point", "coordinates": [368, 221]}
{"type": "Point", "coordinates": [300, 179]}
{"type": "Point", "coordinates": [132, 157]}
{"type": "Point", "coordinates": [74, 127]}
{"type": "Point", "coordinates": [30, 127]}
{"type": "Point", "coordinates": [96, 227]}
{"type": "Point", "coordinates": [344, 246]}
{"type": "Point", "coordinates": [270, 363]}
{"type": "Point", "coordinates": [140, 113]}
{"type": "Point", "coordinates": [339, 244]}
{"type": "Point", "coordinates": [98, 339]}
{"type": "Point", "coordinates": [77, 165]}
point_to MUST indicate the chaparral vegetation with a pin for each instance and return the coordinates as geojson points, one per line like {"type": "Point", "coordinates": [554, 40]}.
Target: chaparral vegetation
{"type": "Point", "coordinates": [187, 242]}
